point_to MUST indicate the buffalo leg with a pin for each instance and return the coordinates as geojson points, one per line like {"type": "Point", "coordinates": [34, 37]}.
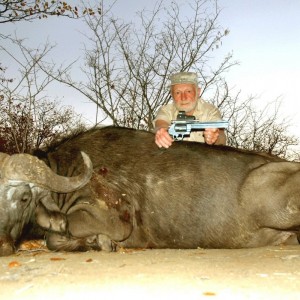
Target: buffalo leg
{"type": "Point", "coordinates": [95, 221]}
{"type": "Point", "coordinates": [59, 242]}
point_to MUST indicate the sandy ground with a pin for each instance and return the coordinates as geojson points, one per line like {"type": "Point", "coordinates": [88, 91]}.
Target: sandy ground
{"type": "Point", "coordinates": [263, 273]}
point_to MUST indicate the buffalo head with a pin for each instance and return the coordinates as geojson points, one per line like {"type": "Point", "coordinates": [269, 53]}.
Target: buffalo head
{"type": "Point", "coordinates": [24, 181]}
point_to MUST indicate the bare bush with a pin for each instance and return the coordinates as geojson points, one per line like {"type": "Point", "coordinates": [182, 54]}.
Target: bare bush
{"type": "Point", "coordinates": [28, 118]}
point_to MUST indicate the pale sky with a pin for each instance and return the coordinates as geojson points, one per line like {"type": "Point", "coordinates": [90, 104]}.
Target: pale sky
{"type": "Point", "coordinates": [264, 38]}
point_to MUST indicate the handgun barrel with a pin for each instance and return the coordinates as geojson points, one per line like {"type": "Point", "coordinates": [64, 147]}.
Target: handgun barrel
{"type": "Point", "coordinates": [179, 128]}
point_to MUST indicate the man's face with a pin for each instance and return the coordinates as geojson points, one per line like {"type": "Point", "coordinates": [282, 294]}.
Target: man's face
{"type": "Point", "coordinates": [185, 96]}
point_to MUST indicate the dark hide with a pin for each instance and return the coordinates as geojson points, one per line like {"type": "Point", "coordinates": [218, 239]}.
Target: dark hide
{"type": "Point", "coordinates": [190, 195]}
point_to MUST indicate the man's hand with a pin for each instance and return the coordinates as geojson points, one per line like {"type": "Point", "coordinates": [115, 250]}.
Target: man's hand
{"type": "Point", "coordinates": [211, 135]}
{"type": "Point", "coordinates": [162, 138]}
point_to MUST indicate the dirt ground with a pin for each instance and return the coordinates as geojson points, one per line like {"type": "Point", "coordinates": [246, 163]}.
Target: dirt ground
{"type": "Point", "coordinates": [263, 273]}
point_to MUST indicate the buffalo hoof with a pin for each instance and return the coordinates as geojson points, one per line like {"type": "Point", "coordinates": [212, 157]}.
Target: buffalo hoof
{"type": "Point", "coordinates": [100, 242]}
{"type": "Point", "coordinates": [55, 221]}
{"type": "Point", "coordinates": [58, 222]}
{"type": "Point", "coordinates": [105, 243]}
{"type": "Point", "coordinates": [6, 246]}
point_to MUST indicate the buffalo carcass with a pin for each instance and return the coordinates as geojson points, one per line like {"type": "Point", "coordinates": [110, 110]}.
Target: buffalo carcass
{"type": "Point", "coordinates": [25, 185]}
{"type": "Point", "coordinates": [190, 195]}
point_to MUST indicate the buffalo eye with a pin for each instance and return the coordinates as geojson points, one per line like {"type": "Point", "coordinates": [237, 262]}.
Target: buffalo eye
{"type": "Point", "coordinates": [25, 198]}
{"type": "Point", "coordinates": [20, 193]}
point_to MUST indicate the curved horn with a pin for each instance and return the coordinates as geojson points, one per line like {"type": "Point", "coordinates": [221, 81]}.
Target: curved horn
{"type": "Point", "coordinates": [28, 168]}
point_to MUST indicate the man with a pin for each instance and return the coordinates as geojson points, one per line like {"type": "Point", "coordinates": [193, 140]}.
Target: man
{"type": "Point", "coordinates": [185, 93]}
